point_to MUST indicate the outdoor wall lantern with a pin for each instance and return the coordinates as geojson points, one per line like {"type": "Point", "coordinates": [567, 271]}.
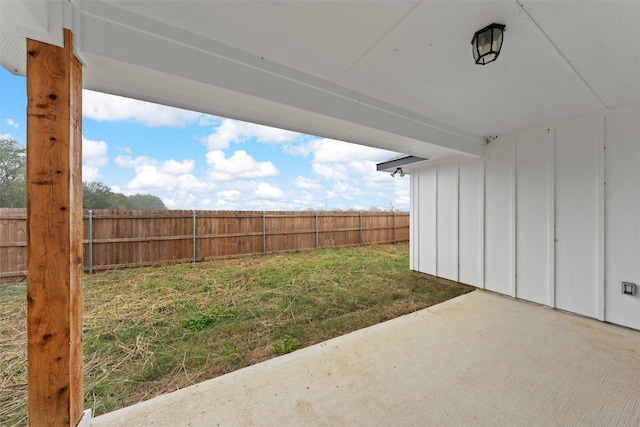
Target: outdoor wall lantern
{"type": "Point", "coordinates": [487, 43]}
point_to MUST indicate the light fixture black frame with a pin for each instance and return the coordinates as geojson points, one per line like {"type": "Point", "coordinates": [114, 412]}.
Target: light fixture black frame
{"type": "Point", "coordinates": [490, 56]}
{"type": "Point", "coordinates": [398, 170]}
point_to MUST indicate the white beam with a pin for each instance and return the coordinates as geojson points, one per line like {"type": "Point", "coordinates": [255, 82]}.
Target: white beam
{"type": "Point", "coordinates": [110, 32]}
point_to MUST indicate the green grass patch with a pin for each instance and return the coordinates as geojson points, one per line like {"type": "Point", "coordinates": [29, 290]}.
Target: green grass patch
{"type": "Point", "coordinates": [149, 331]}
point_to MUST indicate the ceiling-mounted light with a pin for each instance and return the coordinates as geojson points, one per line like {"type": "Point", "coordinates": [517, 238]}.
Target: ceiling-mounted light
{"type": "Point", "coordinates": [487, 43]}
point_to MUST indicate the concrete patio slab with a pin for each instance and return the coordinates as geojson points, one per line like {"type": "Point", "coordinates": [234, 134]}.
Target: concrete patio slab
{"type": "Point", "coordinates": [479, 359]}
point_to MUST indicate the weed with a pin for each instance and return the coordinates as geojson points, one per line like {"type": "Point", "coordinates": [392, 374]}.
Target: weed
{"type": "Point", "coordinates": [199, 321]}
{"type": "Point", "coordinates": [227, 350]}
{"type": "Point", "coordinates": [231, 354]}
{"type": "Point", "coordinates": [287, 346]}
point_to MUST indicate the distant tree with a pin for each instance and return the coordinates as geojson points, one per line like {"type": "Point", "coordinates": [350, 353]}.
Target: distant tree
{"type": "Point", "coordinates": [13, 169]}
{"type": "Point", "coordinates": [97, 195]}
{"type": "Point", "coordinates": [145, 201]}
{"type": "Point", "coordinates": [119, 201]}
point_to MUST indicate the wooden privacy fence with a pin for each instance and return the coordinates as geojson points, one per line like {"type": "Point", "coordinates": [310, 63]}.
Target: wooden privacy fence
{"type": "Point", "coordinates": [118, 238]}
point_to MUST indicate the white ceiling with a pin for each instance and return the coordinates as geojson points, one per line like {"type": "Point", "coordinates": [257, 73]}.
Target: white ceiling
{"type": "Point", "coordinates": [390, 74]}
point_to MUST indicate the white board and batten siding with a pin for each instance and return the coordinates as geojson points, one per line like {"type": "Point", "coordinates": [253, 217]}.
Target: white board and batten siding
{"type": "Point", "coordinates": [423, 221]}
{"type": "Point", "coordinates": [453, 241]}
{"type": "Point", "coordinates": [471, 224]}
{"type": "Point", "coordinates": [534, 204]}
{"type": "Point", "coordinates": [622, 215]}
{"type": "Point", "coordinates": [550, 215]}
{"type": "Point", "coordinates": [447, 221]}
{"type": "Point", "coordinates": [499, 217]}
{"type": "Point", "coordinates": [579, 146]}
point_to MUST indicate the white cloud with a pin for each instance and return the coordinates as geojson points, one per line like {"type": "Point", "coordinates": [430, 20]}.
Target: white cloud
{"type": "Point", "coordinates": [125, 161]}
{"type": "Point", "coordinates": [345, 191]}
{"type": "Point", "coordinates": [189, 182]}
{"type": "Point", "coordinates": [12, 123]}
{"type": "Point", "coordinates": [331, 171]}
{"type": "Point", "coordinates": [149, 178]}
{"type": "Point", "coordinates": [105, 107]}
{"type": "Point", "coordinates": [5, 136]}
{"type": "Point", "coordinates": [268, 134]}
{"type": "Point", "coordinates": [349, 178]}
{"type": "Point", "coordinates": [94, 155]}
{"type": "Point", "coordinates": [229, 195]}
{"type": "Point", "coordinates": [369, 175]}
{"type": "Point", "coordinates": [239, 166]}
{"type": "Point", "coordinates": [90, 174]}
{"type": "Point", "coordinates": [349, 168]}
{"type": "Point", "coordinates": [268, 191]}
{"type": "Point", "coordinates": [339, 175]}
{"type": "Point", "coordinates": [332, 151]}
{"type": "Point", "coordinates": [362, 167]}
{"type": "Point", "coordinates": [178, 168]}
{"type": "Point", "coordinates": [302, 149]}
{"type": "Point", "coordinates": [306, 183]}
{"type": "Point", "coordinates": [226, 133]}
{"type": "Point", "coordinates": [255, 195]}
{"type": "Point", "coordinates": [180, 200]}
{"type": "Point", "coordinates": [233, 131]}
{"type": "Point", "coordinates": [327, 150]}
{"type": "Point", "coordinates": [401, 202]}
{"type": "Point", "coordinates": [153, 175]}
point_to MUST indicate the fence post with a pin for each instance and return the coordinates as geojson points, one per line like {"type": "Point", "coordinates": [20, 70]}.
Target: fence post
{"type": "Point", "coordinates": [360, 228]}
{"type": "Point", "coordinates": [90, 242]}
{"type": "Point", "coordinates": [394, 228]}
{"type": "Point", "coordinates": [194, 236]}
{"type": "Point", "coordinates": [317, 230]}
{"type": "Point", "coordinates": [264, 233]}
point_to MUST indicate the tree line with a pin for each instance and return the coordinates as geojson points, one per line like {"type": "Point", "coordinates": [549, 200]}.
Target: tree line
{"type": "Point", "coordinates": [95, 195]}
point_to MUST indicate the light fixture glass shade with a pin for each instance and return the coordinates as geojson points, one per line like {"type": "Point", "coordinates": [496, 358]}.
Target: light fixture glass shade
{"type": "Point", "coordinates": [487, 43]}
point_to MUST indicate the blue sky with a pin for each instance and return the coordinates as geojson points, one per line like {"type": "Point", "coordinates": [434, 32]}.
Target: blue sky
{"type": "Point", "coordinates": [197, 161]}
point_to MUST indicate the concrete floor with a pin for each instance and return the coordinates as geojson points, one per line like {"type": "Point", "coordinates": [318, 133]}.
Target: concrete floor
{"type": "Point", "coordinates": [480, 359]}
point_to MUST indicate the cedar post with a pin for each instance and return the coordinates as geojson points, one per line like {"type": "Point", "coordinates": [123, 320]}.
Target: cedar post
{"type": "Point", "coordinates": [54, 234]}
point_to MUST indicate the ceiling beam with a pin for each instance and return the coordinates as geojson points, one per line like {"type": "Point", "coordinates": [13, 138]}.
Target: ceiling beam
{"type": "Point", "coordinates": [113, 33]}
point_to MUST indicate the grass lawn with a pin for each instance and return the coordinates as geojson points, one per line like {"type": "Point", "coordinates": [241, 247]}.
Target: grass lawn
{"type": "Point", "coordinates": [152, 330]}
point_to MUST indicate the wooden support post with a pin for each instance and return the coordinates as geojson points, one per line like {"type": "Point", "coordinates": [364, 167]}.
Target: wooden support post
{"type": "Point", "coordinates": [54, 234]}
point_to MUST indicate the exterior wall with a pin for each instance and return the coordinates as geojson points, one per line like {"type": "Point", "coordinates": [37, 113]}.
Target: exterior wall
{"type": "Point", "coordinates": [550, 215]}
{"type": "Point", "coordinates": [579, 147]}
{"type": "Point", "coordinates": [534, 197]}
{"type": "Point", "coordinates": [446, 243]}
{"type": "Point", "coordinates": [499, 262]}
{"type": "Point", "coordinates": [471, 225]}
{"type": "Point", "coordinates": [447, 221]}
{"type": "Point", "coordinates": [622, 216]}
{"type": "Point", "coordinates": [423, 221]}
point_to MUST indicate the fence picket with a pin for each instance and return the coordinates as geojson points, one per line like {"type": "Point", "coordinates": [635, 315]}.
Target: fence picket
{"type": "Point", "coordinates": [118, 238]}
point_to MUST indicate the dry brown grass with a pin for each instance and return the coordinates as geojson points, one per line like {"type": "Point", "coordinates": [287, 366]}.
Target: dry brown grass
{"type": "Point", "coordinates": [149, 331]}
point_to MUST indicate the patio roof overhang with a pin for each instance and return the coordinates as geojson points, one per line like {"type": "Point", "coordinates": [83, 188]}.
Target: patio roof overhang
{"type": "Point", "coordinates": [406, 163]}
{"type": "Point", "coordinates": [394, 75]}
